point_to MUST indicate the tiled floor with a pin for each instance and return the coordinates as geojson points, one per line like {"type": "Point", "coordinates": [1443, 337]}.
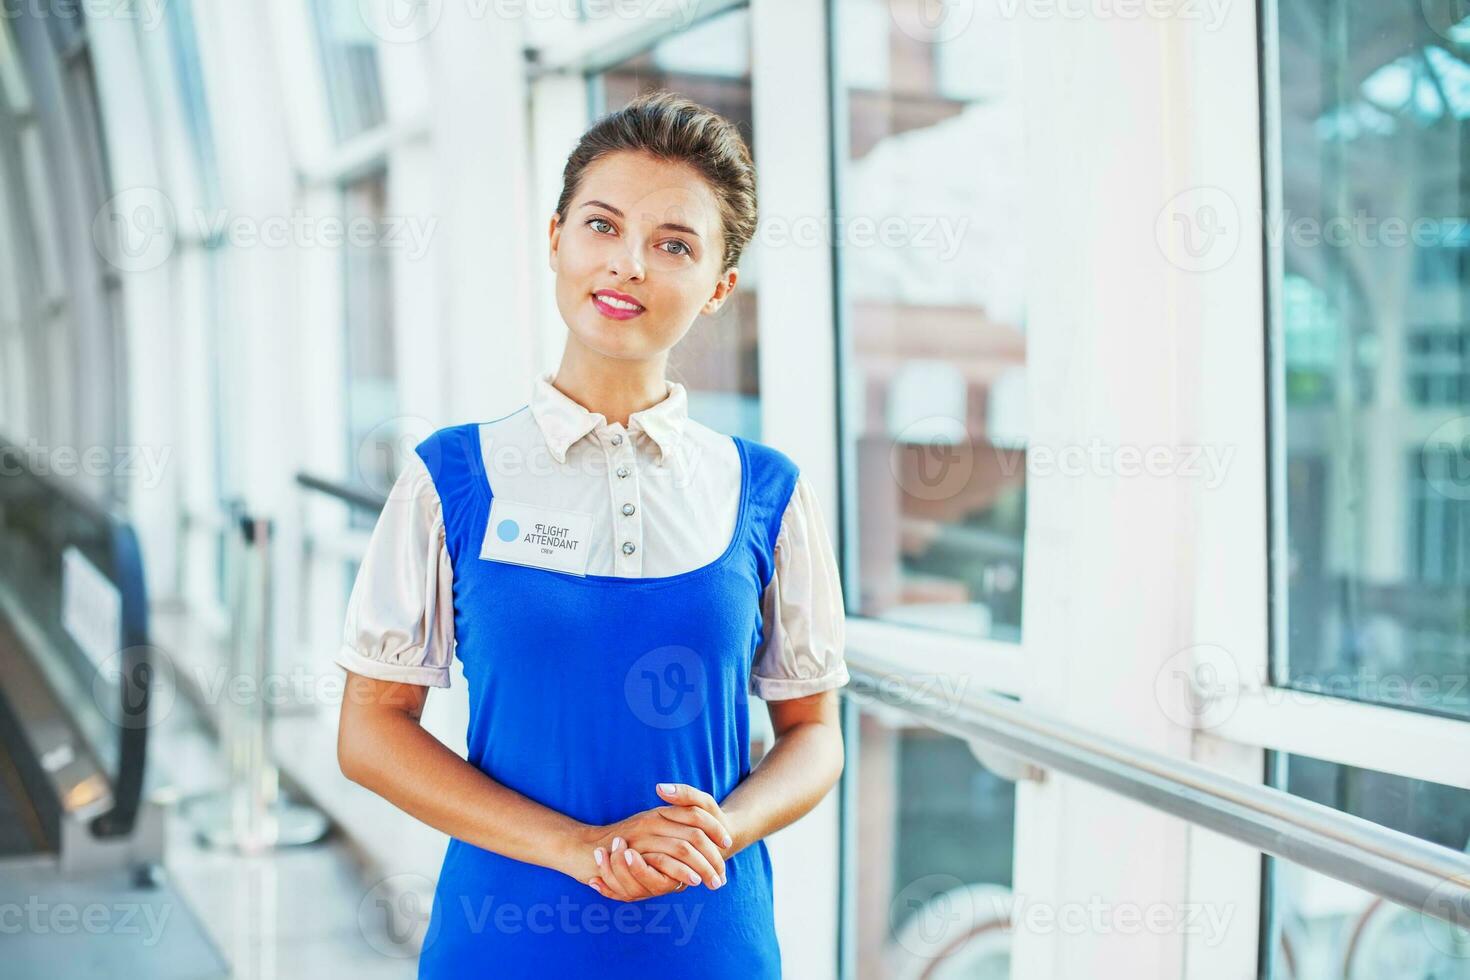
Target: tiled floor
{"type": "Point", "coordinates": [297, 912]}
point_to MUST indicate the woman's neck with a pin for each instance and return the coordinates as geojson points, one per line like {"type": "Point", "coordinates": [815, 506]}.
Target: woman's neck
{"type": "Point", "coordinates": [615, 388]}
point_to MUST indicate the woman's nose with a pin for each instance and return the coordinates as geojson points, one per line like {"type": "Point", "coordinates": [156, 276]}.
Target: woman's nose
{"type": "Point", "coordinates": [625, 261]}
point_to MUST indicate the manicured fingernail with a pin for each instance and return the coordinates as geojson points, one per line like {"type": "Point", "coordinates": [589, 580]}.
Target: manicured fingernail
{"type": "Point", "coordinates": [693, 878]}
{"type": "Point", "coordinates": [723, 879]}
{"type": "Point", "coordinates": [629, 855]}
{"type": "Point", "coordinates": [727, 840]}
{"type": "Point", "coordinates": [617, 843]}
{"type": "Point", "coordinates": [665, 787]}
{"type": "Point", "coordinates": [597, 856]}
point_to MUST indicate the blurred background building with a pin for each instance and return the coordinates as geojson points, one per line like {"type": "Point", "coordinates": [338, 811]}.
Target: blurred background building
{"type": "Point", "coordinates": [1127, 343]}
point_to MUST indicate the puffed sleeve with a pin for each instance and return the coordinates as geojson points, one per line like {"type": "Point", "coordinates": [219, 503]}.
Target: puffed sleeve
{"type": "Point", "coordinates": [400, 615]}
{"type": "Point", "coordinates": [801, 651]}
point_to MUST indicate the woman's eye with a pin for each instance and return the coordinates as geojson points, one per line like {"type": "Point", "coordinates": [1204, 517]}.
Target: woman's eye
{"type": "Point", "coordinates": [603, 226]}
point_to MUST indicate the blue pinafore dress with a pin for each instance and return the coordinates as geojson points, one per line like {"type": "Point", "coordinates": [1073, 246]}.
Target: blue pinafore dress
{"type": "Point", "coordinates": [584, 693]}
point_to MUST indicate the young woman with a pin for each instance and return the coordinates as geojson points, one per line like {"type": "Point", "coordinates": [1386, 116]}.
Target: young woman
{"type": "Point", "coordinates": [616, 580]}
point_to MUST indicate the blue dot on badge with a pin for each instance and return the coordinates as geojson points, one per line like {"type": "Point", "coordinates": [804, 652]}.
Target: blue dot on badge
{"type": "Point", "coordinates": [507, 530]}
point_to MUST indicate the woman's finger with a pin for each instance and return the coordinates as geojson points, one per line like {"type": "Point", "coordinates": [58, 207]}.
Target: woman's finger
{"type": "Point", "coordinates": [610, 886]}
{"type": "Point", "coordinates": [629, 888]}
{"type": "Point", "coordinates": [672, 868]}
{"type": "Point", "coordinates": [695, 816]}
{"type": "Point", "coordinates": [608, 890]}
{"type": "Point", "coordinates": [698, 839]}
{"type": "Point", "coordinates": [600, 881]}
{"type": "Point", "coordinates": [687, 795]}
{"type": "Point", "coordinates": [605, 883]}
{"type": "Point", "coordinates": [687, 853]}
{"type": "Point", "coordinates": [653, 880]}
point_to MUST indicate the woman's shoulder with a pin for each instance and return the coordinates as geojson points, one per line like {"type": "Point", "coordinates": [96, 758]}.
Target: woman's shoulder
{"type": "Point", "coordinates": [773, 475]}
{"type": "Point", "coordinates": [769, 456]}
{"type": "Point", "coordinates": [460, 442]}
{"type": "Point", "coordinates": [457, 430]}
{"type": "Point", "coordinates": [701, 439]}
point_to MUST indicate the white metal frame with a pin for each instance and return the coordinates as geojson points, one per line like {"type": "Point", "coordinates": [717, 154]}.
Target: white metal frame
{"type": "Point", "coordinates": [1390, 740]}
{"type": "Point", "coordinates": [790, 111]}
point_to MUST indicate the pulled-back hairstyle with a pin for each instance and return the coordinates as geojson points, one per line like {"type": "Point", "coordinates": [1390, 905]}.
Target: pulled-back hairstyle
{"type": "Point", "coordinates": [673, 128]}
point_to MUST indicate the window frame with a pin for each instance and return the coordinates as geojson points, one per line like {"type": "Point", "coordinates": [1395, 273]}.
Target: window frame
{"type": "Point", "coordinates": [1275, 715]}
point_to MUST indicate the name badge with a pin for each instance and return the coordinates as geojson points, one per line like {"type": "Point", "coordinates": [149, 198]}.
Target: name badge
{"type": "Point", "coordinates": [542, 537]}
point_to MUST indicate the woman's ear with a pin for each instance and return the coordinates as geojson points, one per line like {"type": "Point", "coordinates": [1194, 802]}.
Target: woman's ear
{"type": "Point", "coordinates": [723, 287]}
{"type": "Point", "coordinates": [553, 234]}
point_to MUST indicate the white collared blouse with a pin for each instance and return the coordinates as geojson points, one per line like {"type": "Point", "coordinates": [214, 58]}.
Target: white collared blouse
{"type": "Point", "coordinates": [663, 493]}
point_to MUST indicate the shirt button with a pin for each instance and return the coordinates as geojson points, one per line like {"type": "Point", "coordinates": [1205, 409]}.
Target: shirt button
{"type": "Point", "coordinates": [622, 472]}
{"type": "Point", "coordinates": [628, 547]}
{"type": "Point", "coordinates": [627, 510]}
{"type": "Point", "coordinates": [617, 439]}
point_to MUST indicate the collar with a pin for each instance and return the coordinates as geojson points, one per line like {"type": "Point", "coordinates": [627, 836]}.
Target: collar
{"type": "Point", "coordinates": [563, 420]}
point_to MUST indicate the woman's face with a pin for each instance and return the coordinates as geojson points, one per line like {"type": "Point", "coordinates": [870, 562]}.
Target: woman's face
{"type": "Point", "coordinates": [647, 231]}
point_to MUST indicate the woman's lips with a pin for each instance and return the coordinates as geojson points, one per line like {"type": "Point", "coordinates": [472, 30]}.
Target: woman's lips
{"type": "Point", "coordinates": [614, 312]}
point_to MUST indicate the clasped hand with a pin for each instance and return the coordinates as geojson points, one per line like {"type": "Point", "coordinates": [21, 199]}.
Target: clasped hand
{"type": "Point", "coordinates": [662, 850]}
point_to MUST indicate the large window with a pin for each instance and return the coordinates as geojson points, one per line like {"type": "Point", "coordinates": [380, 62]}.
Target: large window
{"type": "Point", "coordinates": [372, 367]}
{"type": "Point", "coordinates": [709, 63]}
{"type": "Point", "coordinates": [931, 267]}
{"type": "Point", "coordinates": [198, 288]}
{"type": "Point", "coordinates": [1368, 193]}
{"type": "Point", "coordinates": [57, 164]}
{"type": "Point", "coordinates": [1322, 928]}
{"type": "Point", "coordinates": [21, 348]}
{"type": "Point", "coordinates": [350, 64]}
{"type": "Point", "coordinates": [935, 836]}
{"type": "Point", "coordinates": [1370, 352]}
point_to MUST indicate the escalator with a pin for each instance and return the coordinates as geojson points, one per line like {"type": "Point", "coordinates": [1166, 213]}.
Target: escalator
{"type": "Point", "coordinates": [82, 886]}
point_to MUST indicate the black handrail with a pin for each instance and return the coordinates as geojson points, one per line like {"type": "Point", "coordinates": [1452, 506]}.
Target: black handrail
{"type": "Point", "coordinates": [352, 496]}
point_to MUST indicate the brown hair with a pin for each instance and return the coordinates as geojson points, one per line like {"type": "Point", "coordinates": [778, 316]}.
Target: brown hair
{"type": "Point", "coordinates": [676, 129]}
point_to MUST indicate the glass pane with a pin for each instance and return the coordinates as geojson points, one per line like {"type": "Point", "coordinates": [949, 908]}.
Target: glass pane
{"type": "Point", "coordinates": [81, 80]}
{"type": "Point", "coordinates": [1322, 929]}
{"type": "Point", "coordinates": [13, 88]}
{"type": "Point", "coordinates": [184, 53]}
{"type": "Point", "coordinates": [224, 480]}
{"type": "Point", "coordinates": [1372, 351]}
{"type": "Point", "coordinates": [933, 313]}
{"type": "Point", "coordinates": [14, 237]}
{"type": "Point", "coordinates": [935, 834]}
{"type": "Point", "coordinates": [67, 21]}
{"type": "Point", "coordinates": [709, 63]}
{"type": "Point", "coordinates": [349, 64]}
{"type": "Point", "coordinates": [16, 302]}
{"type": "Point", "coordinates": [372, 397]}
{"type": "Point", "coordinates": [37, 173]}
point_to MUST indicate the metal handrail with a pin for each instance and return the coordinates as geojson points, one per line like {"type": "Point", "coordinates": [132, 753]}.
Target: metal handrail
{"type": "Point", "coordinates": [1418, 874]}
{"type": "Point", "coordinates": [352, 496]}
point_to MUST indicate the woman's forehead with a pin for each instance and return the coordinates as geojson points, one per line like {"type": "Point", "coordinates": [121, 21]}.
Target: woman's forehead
{"type": "Point", "coordinates": [651, 191]}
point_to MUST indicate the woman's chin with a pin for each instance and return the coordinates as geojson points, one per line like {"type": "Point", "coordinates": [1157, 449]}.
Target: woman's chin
{"type": "Point", "coordinates": [611, 339]}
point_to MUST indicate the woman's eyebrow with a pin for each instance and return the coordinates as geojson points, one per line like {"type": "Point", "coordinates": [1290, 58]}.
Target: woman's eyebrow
{"type": "Point", "coordinates": [667, 224]}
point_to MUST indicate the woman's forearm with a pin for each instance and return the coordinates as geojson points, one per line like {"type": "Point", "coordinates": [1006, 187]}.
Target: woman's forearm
{"type": "Point", "coordinates": [401, 762]}
{"type": "Point", "coordinates": [803, 764]}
